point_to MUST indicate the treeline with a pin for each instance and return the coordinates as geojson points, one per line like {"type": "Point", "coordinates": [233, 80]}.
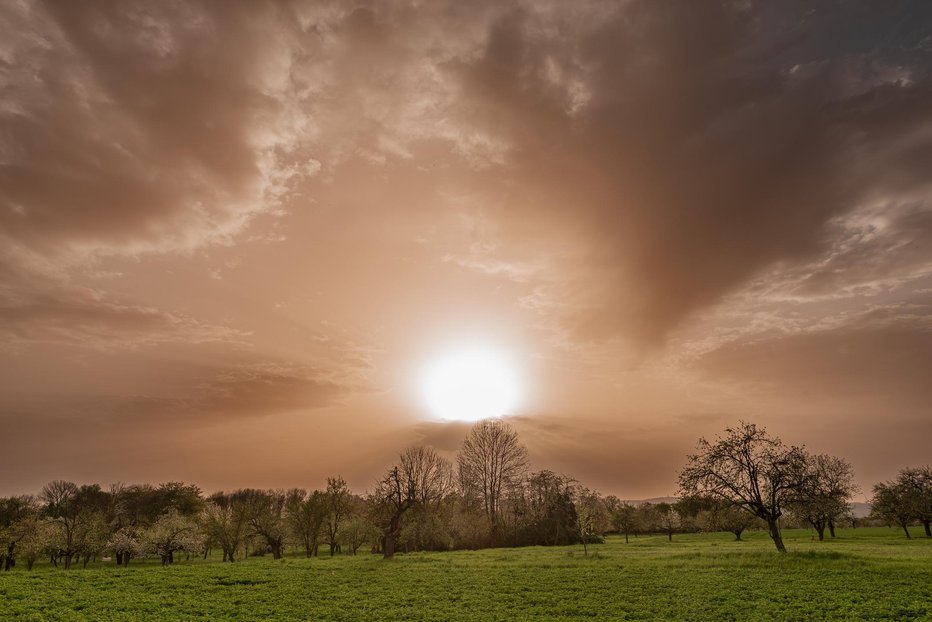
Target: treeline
{"type": "Point", "coordinates": [486, 497]}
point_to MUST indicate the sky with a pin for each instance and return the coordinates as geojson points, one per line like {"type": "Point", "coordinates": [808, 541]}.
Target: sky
{"type": "Point", "coordinates": [233, 235]}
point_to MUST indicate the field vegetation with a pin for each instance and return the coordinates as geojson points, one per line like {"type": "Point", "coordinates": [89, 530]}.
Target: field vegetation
{"type": "Point", "coordinates": [863, 574]}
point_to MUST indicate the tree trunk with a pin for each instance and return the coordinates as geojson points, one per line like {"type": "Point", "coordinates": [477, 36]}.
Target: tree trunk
{"type": "Point", "coordinates": [388, 546]}
{"type": "Point", "coordinates": [626, 537]}
{"type": "Point", "coordinates": [906, 531]}
{"type": "Point", "coordinates": [820, 529]}
{"type": "Point", "coordinates": [119, 558]}
{"type": "Point", "coordinates": [831, 528]}
{"type": "Point", "coordinates": [669, 536]}
{"type": "Point", "coordinates": [738, 533]}
{"type": "Point", "coordinates": [925, 525]}
{"type": "Point", "coordinates": [126, 557]}
{"type": "Point", "coordinates": [775, 534]}
{"type": "Point", "coordinates": [68, 562]}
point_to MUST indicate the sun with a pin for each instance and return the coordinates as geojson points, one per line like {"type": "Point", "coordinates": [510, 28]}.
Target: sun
{"type": "Point", "coordinates": [471, 384]}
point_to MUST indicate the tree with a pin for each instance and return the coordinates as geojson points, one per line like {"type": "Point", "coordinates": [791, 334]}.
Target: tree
{"type": "Point", "coordinates": [14, 515]}
{"type": "Point", "coordinates": [170, 533]}
{"type": "Point", "coordinates": [917, 485]}
{"type": "Point", "coordinates": [892, 503]}
{"type": "Point", "coordinates": [304, 517]}
{"type": "Point", "coordinates": [491, 460]}
{"type": "Point", "coordinates": [750, 469]}
{"type": "Point", "coordinates": [357, 530]}
{"type": "Point", "coordinates": [338, 500]}
{"type": "Point", "coordinates": [225, 519]}
{"type": "Point", "coordinates": [824, 496]}
{"type": "Point", "coordinates": [38, 534]}
{"type": "Point", "coordinates": [63, 508]}
{"type": "Point", "coordinates": [124, 542]}
{"type": "Point", "coordinates": [550, 515]}
{"type": "Point", "coordinates": [726, 516]}
{"type": "Point", "coordinates": [591, 517]}
{"type": "Point", "coordinates": [668, 518]}
{"type": "Point", "coordinates": [265, 513]}
{"type": "Point", "coordinates": [421, 478]}
{"type": "Point", "coordinates": [624, 518]}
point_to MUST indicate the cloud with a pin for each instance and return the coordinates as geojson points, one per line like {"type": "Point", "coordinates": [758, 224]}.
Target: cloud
{"type": "Point", "coordinates": [873, 362]}
{"type": "Point", "coordinates": [249, 390]}
{"type": "Point", "coordinates": [704, 150]}
{"type": "Point", "coordinates": [131, 127]}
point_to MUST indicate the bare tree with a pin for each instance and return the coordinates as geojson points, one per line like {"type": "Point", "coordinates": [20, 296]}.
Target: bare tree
{"type": "Point", "coordinates": [491, 460]}
{"type": "Point", "coordinates": [421, 478]}
{"type": "Point", "coordinates": [749, 468]}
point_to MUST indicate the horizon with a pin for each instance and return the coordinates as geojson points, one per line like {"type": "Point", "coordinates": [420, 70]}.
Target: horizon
{"type": "Point", "coordinates": [260, 244]}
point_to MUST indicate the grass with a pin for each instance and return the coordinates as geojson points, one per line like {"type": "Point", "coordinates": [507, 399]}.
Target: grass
{"type": "Point", "coordinates": [866, 574]}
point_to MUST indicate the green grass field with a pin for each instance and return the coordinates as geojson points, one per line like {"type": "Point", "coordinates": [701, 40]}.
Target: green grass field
{"type": "Point", "coordinates": [866, 574]}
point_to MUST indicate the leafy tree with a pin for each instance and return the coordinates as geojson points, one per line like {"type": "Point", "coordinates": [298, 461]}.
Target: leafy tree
{"type": "Point", "coordinates": [750, 469]}
{"type": "Point", "coordinates": [624, 518]}
{"type": "Point", "coordinates": [265, 512]}
{"type": "Point", "coordinates": [170, 533]}
{"type": "Point", "coordinates": [38, 535]}
{"type": "Point", "coordinates": [225, 520]}
{"type": "Point", "coordinates": [726, 516]}
{"type": "Point", "coordinates": [357, 530]}
{"type": "Point", "coordinates": [823, 498]}
{"type": "Point", "coordinates": [14, 515]}
{"type": "Point", "coordinates": [304, 518]}
{"type": "Point", "coordinates": [668, 518]}
{"type": "Point", "coordinates": [550, 517]}
{"type": "Point", "coordinates": [75, 511]}
{"type": "Point", "coordinates": [338, 499]}
{"type": "Point", "coordinates": [125, 543]}
{"type": "Point", "coordinates": [591, 517]}
{"type": "Point", "coordinates": [893, 503]}
{"type": "Point", "coordinates": [917, 484]}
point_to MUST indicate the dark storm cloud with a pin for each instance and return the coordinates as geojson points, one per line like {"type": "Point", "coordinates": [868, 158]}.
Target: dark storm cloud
{"type": "Point", "coordinates": [705, 141]}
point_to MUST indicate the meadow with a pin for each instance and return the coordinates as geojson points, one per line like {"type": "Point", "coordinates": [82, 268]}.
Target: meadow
{"type": "Point", "coordinates": [865, 574]}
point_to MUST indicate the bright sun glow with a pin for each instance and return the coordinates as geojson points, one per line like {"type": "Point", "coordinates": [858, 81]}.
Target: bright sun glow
{"type": "Point", "coordinates": [470, 385]}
